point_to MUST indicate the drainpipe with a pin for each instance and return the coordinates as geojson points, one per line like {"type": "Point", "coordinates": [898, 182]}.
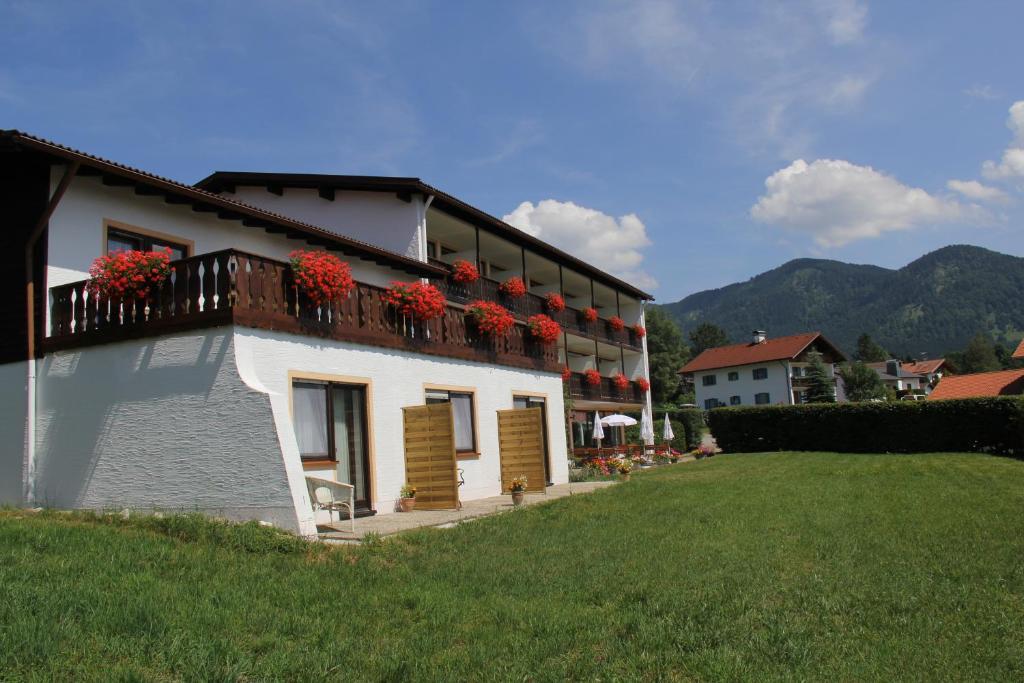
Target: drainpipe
{"type": "Point", "coordinates": [28, 483]}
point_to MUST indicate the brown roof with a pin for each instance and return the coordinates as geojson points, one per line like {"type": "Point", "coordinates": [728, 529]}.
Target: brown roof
{"type": "Point", "coordinates": [924, 367]}
{"type": "Point", "coordinates": [780, 348]}
{"type": "Point", "coordinates": [998, 383]}
{"type": "Point", "coordinates": [225, 208]}
{"type": "Point", "coordinates": [1019, 353]}
{"type": "Point", "coordinates": [221, 181]}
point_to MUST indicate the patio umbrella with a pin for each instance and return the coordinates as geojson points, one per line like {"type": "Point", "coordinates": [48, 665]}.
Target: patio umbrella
{"type": "Point", "coordinates": [598, 429]}
{"type": "Point", "coordinates": [618, 420]}
{"type": "Point", "coordinates": [646, 428]}
{"type": "Point", "coordinates": [667, 434]}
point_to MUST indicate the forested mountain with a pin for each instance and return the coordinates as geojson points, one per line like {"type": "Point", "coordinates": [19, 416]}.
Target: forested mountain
{"type": "Point", "coordinates": [932, 305]}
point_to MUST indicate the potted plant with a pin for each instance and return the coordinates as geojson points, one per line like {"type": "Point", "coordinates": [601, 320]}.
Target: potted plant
{"type": "Point", "coordinates": [518, 489]}
{"type": "Point", "coordinates": [640, 331]}
{"type": "Point", "coordinates": [617, 323]}
{"type": "Point", "coordinates": [593, 377]}
{"type": "Point", "coordinates": [621, 382]}
{"type": "Point", "coordinates": [554, 302]}
{"type": "Point", "coordinates": [321, 276]}
{"type": "Point", "coordinates": [566, 373]}
{"type": "Point", "coordinates": [513, 287]}
{"type": "Point", "coordinates": [624, 467]}
{"type": "Point", "coordinates": [464, 272]}
{"type": "Point", "coordinates": [491, 318]}
{"type": "Point", "coordinates": [643, 384]}
{"type": "Point", "coordinates": [589, 314]}
{"type": "Point", "coordinates": [419, 300]}
{"type": "Point", "coordinates": [129, 274]}
{"type": "Point", "coordinates": [544, 329]}
{"type": "Point", "coordinates": [407, 498]}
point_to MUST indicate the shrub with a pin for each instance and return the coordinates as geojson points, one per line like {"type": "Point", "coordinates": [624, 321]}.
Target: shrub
{"type": "Point", "coordinates": [993, 425]}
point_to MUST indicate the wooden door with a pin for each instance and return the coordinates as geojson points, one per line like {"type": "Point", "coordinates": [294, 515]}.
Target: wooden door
{"type": "Point", "coordinates": [521, 440]}
{"type": "Point", "coordinates": [430, 463]}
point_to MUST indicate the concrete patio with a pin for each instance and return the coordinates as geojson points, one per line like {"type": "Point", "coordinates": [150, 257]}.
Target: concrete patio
{"type": "Point", "coordinates": [385, 525]}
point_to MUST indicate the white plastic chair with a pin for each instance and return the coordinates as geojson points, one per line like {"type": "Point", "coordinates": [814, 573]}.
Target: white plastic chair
{"type": "Point", "coordinates": [329, 495]}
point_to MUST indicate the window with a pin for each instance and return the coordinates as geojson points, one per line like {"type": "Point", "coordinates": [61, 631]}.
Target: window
{"type": "Point", "coordinates": [733, 376]}
{"type": "Point", "coordinates": [734, 400]}
{"type": "Point", "coordinates": [330, 422]}
{"type": "Point", "coordinates": [760, 373]}
{"type": "Point", "coordinates": [709, 380]}
{"type": "Point", "coordinates": [710, 403]}
{"type": "Point", "coordinates": [462, 414]}
{"type": "Point", "coordinates": [121, 239]}
{"type": "Point", "coordinates": [762, 398]}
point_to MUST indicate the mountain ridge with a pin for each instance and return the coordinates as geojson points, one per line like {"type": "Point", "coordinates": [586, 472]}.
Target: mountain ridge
{"type": "Point", "coordinates": [932, 305]}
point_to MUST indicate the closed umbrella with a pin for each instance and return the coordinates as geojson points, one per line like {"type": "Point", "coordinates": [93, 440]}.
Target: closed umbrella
{"type": "Point", "coordinates": [646, 428]}
{"type": "Point", "coordinates": [598, 429]}
{"type": "Point", "coordinates": [667, 433]}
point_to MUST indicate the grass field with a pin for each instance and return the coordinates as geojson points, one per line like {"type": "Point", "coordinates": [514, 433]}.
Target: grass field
{"type": "Point", "coordinates": [757, 567]}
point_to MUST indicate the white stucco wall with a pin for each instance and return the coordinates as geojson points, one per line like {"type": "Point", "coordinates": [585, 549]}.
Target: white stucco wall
{"type": "Point", "coordinates": [13, 380]}
{"type": "Point", "coordinates": [378, 218]}
{"type": "Point", "coordinates": [162, 423]}
{"type": "Point", "coordinates": [76, 235]}
{"type": "Point", "coordinates": [397, 379]}
{"type": "Point", "coordinates": [776, 384]}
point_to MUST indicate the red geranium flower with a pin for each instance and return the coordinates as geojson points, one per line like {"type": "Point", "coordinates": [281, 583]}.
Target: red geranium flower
{"type": "Point", "coordinates": [593, 377]}
{"type": "Point", "coordinates": [643, 384]}
{"type": "Point", "coordinates": [421, 301]}
{"type": "Point", "coordinates": [544, 328]}
{"type": "Point", "coordinates": [590, 314]}
{"type": "Point", "coordinates": [513, 287]}
{"type": "Point", "coordinates": [129, 274]}
{"type": "Point", "coordinates": [321, 276]}
{"type": "Point", "coordinates": [491, 318]}
{"type": "Point", "coordinates": [566, 373]}
{"type": "Point", "coordinates": [465, 272]}
{"type": "Point", "coordinates": [621, 382]}
{"type": "Point", "coordinates": [640, 331]}
{"type": "Point", "coordinates": [554, 302]}
{"type": "Point", "coordinates": [617, 323]}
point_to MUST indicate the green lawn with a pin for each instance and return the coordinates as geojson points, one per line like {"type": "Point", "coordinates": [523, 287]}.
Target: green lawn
{"type": "Point", "coordinates": [781, 566]}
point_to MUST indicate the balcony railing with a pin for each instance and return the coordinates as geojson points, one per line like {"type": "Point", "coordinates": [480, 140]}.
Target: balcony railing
{"type": "Point", "coordinates": [580, 389]}
{"type": "Point", "coordinates": [233, 287]}
{"type": "Point", "coordinates": [529, 304]}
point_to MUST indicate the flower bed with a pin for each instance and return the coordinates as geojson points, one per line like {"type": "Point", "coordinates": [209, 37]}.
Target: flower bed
{"type": "Point", "coordinates": [129, 274]}
{"type": "Point", "coordinates": [513, 287]}
{"type": "Point", "coordinates": [321, 276]}
{"type": "Point", "coordinates": [491, 318]}
{"type": "Point", "coordinates": [544, 328]}
{"type": "Point", "coordinates": [421, 301]}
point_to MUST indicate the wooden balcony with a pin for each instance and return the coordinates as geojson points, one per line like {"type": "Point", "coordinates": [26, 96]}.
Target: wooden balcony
{"type": "Point", "coordinates": [580, 389]}
{"type": "Point", "coordinates": [523, 307]}
{"type": "Point", "coordinates": [235, 288]}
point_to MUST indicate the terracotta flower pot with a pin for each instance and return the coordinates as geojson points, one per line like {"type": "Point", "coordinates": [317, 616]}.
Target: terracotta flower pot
{"type": "Point", "coordinates": [406, 504]}
{"type": "Point", "coordinates": [517, 497]}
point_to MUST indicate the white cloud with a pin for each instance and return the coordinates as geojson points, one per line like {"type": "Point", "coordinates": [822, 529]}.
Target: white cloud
{"type": "Point", "coordinates": [613, 244]}
{"type": "Point", "coordinates": [1011, 165]}
{"type": "Point", "coordinates": [847, 92]}
{"type": "Point", "coordinates": [982, 91]}
{"type": "Point", "coordinates": [837, 202]}
{"type": "Point", "coordinates": [972, 189]}
{"type": "Point", "coordinates": [847, 20]}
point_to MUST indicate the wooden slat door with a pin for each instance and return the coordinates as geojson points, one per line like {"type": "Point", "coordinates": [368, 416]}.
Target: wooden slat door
{"type": "Point", "coordinates": [430, 463]}
{"type": "Point", "coordinates": [521, 440]}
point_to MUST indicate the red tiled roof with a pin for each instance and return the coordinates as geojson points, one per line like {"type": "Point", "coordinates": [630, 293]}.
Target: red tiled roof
{"type": "Point", "coordinates": [924, 367]}
{"type": "Point", "coordinates": [998, 383]}
{"type": "Point", "coordinates": [780, 348]}
{"type": "Point", "coordinates": [1019, 353]}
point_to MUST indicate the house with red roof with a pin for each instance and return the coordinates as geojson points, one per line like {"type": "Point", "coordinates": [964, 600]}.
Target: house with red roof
{"type": "Point", "coordinates": [761, 372]}
{"type": "Point", "coordinates": [931, 370]}
{"type": "Point", "coordinates": [997, 383]}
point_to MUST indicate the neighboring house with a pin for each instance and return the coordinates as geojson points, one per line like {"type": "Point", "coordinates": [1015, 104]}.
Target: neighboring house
{"type": "Point", "coordinates": [228, 387]}
{"type": "Point", "coordinates": [764, 371]}
{"type": "Point", "coordinates": [896, 376]}
{"type": "Point", "coordinates": [997, 383]}
{"type": "Point", "coordinates": [931, 370]}
{"type": "Point", "coordinates": [1019, 353]}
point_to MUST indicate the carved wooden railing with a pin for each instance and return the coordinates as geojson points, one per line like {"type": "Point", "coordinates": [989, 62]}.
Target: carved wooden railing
{"type": "Point", "coordinates": [580, 389]}
{"type": "Point", "coordinates": [238, 288]}
{"type": "Point", "coordinates": [529, 304]}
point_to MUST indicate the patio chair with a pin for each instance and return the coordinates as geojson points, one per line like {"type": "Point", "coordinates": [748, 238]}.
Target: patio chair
{"type": "Point", "coordinates": [329, 495]}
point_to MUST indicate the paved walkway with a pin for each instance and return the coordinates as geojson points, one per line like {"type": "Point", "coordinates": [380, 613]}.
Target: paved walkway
{"type": "Point", "coordinates": [396, 522]}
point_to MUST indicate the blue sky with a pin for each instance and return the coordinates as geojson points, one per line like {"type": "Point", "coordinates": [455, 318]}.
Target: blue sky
{"type": "Point", "coordinates": [685, 145]}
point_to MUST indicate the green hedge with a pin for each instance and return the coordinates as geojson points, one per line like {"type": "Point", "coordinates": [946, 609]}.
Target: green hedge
{"type": "Point", "coordinates": [994, 425]}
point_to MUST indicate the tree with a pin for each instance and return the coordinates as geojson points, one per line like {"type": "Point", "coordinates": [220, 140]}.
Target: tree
{"type": "Point", "coordinates": [667, 353]}
{"type": "Point", "coordinates": [979, 356]}
{"type": "Point", "coordinates": [861, 382]}
{"type": "Point", "coordinates": [868, 351]}
{"type": "Point", "coordinates": [707, 336]}
{"type": "Point", "coordinates": [820, 386]}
